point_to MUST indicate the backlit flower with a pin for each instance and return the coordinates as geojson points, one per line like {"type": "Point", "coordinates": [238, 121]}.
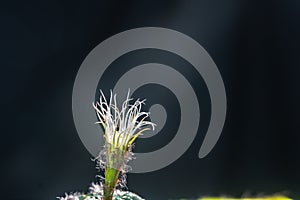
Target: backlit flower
{"type": "Point", "coordinates": [122, 126]}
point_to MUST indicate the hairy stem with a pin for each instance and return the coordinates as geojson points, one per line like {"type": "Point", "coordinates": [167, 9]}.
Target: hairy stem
{"type": "Point", "coordinates": [111, 179]}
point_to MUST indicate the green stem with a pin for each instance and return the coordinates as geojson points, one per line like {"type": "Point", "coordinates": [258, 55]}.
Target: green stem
{"type": "Point", "coordinates": [111, 179]}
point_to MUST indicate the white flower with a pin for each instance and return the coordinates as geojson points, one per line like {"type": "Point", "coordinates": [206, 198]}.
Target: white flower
{"type": "Point", "coordinates": [122, 126]}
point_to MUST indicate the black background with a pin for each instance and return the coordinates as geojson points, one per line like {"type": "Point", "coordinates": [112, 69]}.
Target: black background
{"type": "Point", "coordinates": [255, 45]}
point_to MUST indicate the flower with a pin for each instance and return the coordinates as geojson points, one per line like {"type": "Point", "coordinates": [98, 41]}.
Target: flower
{"type": "Point", "coordinates": [121, 126]}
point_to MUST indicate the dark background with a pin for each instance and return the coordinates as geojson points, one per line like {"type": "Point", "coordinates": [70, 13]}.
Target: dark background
{"type": "Point", "coordinates": [255, 45]}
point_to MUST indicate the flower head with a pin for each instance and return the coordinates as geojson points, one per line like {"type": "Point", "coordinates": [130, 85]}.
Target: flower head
{"type": "Point", "coordinates": [122, 126]}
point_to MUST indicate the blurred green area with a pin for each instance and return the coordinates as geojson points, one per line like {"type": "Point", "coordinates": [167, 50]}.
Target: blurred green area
{"type": "Point", "coordinates": [254, 198]}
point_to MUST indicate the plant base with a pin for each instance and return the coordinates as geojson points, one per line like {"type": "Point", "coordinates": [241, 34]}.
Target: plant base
{"type": "Point", "coordinates": [96, 193]}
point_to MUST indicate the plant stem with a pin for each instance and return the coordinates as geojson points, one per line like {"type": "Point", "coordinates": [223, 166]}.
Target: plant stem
{"type": "Point", "coordinates": [111, 179]}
